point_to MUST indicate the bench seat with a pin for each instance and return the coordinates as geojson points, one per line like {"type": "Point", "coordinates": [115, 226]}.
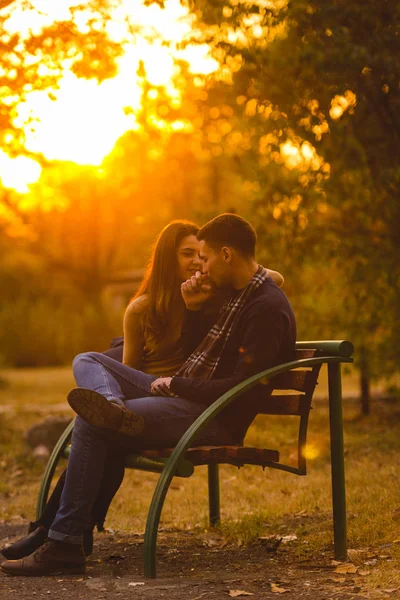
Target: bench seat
{"type": "Point", "coordinates": [233, 455]}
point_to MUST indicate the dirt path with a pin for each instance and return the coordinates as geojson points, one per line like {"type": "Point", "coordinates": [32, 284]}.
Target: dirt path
{"type": "Point", "coordinates": [190, 567]}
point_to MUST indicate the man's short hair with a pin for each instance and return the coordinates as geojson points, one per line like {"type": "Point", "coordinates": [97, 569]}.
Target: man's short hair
{"type": "Point", "coordinates": [229, 230]}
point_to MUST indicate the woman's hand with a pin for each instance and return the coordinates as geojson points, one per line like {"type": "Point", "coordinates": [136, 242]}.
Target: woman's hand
{"type": "Point", "coordinates": [161, 387]}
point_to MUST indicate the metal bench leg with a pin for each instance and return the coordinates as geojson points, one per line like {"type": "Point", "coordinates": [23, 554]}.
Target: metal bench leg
{"type": "Point", "coordinates": [337, 461]}
{"type": "Point", "coordinates": [154, 514]}
{"type": "Point", "coordinates": [50, 469]}
{"type": "Point", "coordinates": [213, 494]}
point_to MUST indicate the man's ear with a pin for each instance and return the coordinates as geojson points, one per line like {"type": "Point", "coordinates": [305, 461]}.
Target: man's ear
{"type": "Point", "coordinates": [226, 254]}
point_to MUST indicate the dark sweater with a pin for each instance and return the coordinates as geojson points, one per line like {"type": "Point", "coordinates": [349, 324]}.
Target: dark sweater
{"type": "Point", "coordinates": [263, 336]}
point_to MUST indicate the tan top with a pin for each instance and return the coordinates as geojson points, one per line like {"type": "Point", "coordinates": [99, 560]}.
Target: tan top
{"type": "Point", "coordinates": [164, 357]}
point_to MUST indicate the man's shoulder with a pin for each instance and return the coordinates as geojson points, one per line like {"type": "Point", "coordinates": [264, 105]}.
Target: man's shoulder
{"type": "Point", "coordinates": [267, 294]}
{"type": "Point", "coordinates": [268, 299]}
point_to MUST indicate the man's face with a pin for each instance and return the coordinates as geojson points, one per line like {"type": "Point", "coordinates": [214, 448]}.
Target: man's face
{"type": "Point", "coordinates": [214, 265]}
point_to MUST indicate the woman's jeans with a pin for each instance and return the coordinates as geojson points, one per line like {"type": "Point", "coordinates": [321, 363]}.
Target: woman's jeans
{"type": "Point", "coordinates": [165, 421]}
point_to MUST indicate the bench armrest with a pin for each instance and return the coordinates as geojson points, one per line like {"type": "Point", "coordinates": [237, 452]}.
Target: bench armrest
{"type": "Point", "coordinates": [153, 517]}
{"type": "Point", "coordinates": [212, 411]}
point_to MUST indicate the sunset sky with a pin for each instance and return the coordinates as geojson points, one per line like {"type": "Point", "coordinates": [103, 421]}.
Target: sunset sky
{"type": "Point", "coordinates": [82, 119]}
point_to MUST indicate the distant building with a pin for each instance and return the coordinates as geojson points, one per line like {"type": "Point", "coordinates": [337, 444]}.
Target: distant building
{"type": "Point", "coordinates": [121, 287]}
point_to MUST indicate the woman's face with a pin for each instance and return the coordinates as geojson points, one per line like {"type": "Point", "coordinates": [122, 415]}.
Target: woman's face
{"type": "Point", "coordinates": [188, 257]}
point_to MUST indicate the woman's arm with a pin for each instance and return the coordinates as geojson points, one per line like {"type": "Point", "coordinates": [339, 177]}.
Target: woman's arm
{"type": "Point", "coordinates": [133, 334]}
{"type": "Point", "coordinates": [277, 277]}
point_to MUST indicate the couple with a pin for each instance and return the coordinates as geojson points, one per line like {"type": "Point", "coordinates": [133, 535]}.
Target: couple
{"type": "Point", "coordinates": [200, 354]}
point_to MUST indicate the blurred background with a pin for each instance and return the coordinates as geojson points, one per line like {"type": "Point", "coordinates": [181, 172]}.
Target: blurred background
{"type": "Point", "coordinates": [120, 115]}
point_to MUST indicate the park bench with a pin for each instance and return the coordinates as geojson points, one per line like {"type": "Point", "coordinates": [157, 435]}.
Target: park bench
{"type": "Point", "coordinates": [293, 384]}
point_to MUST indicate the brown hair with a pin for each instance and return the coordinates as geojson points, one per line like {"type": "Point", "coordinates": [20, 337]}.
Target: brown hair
{"type": "Point", "coordinates": [161, 281]}
{"type": "Point", "coordinates": [229, 230]}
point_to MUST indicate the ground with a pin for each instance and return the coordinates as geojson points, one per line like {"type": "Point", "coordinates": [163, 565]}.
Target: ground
{"type": "Point", "coordinates": [276, 532]}
{"type": "Point", "coordinates": [193, 566]}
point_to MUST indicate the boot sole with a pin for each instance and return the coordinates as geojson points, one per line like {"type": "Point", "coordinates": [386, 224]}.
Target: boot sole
{"type": "Point", "coordinates": [100, 412]}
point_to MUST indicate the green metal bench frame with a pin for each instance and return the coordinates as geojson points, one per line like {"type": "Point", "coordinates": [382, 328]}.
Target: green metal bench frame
{"type": "Point", "coordinates": [332, 353]}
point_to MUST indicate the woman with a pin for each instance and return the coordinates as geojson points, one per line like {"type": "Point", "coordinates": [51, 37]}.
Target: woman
{"type": "Point", "coordinates": [152, 329]}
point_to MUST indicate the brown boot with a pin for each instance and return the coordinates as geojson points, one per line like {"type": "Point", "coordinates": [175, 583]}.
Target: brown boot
{"type": "Point", "coordinates": [52, 558]}
{"type": "Point", "coordinates": [97, 410]}
{"type": "Point", "coordinates": [36, 538]}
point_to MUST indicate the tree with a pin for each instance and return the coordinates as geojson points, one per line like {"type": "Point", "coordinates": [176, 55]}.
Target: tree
{"type": "Point", "coordinates": [318, 83]}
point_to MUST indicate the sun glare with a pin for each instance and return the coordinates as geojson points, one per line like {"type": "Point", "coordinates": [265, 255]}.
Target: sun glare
{"type": "Point", "coordinates": [81, 119]}
{"type": "Point", "coordinates": [17, 173]}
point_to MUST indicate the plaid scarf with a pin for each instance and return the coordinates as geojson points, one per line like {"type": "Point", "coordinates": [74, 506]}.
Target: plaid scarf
{"type": "Point", "coordinates": [204, 360]}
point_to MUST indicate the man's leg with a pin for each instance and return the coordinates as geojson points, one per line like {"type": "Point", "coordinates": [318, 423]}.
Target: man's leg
{"type": "Point", "coordinates": [111, 481]}
{"type": "Point", "coordinates": [165, 418]}
{"type": "Point", "coordinates": [85, 471]}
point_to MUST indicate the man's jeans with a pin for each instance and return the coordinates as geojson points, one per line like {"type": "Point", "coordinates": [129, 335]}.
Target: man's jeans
{"type": "Point", "coordinates": [165, 421]}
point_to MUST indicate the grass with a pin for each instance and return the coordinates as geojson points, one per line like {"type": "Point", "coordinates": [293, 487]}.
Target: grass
{"type": "Point", "coordinates": [254, 503]}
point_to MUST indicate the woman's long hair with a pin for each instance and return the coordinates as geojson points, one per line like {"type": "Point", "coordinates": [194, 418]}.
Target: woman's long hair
{"type": "Point", "coordinates": [161, 282]}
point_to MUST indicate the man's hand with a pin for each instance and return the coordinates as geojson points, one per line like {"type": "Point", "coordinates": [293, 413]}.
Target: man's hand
{"type": "Point", "coordinates": [196, 291]}
{"type": "Point", "coordinates": [161, 387]}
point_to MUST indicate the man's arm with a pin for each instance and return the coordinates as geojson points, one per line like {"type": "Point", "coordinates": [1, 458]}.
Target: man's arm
{"type": "Point", "coordinates": [264, 331]}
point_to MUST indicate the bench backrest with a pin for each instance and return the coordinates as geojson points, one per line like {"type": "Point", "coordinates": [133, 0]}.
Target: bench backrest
{"type": "Point", "coordinates": [291, 394]}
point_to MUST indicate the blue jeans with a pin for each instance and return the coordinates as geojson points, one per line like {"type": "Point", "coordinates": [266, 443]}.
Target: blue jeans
{"type": "Point", "coordinates": [165, 421]}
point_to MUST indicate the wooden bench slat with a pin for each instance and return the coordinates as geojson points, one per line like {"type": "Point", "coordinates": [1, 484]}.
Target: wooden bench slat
{"type": "Point", "coordinates": [201, 455]}
{"type": "Point", "coordinates": [285, 404]}
{"type": "Point", "coordinates": [305, 353]}
{"type": "Point", "coordinates": [301, 381]}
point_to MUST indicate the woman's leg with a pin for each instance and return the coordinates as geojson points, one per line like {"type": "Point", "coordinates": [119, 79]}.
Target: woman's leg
{"type": "Point", "coordinates": [113, 475]}
{"type": "Point", "coordinates": [104, 383]}
{"type": "Point", "coordinates": [165, 418]}
{"type": "Point", "coordinates": [109, 377]}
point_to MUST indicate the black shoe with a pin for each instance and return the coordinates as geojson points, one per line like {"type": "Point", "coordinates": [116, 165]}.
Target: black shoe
{"type": "Point", "coordinates": [51, 558]}
{"type": "Point", "coordinates": [36, 538]}
{"type": "Point", "coordinates": [88, 542]}
{"type": "Point", "coordinates": [26, 545]}
{"type": "Point", "coordinates": [97, 410]}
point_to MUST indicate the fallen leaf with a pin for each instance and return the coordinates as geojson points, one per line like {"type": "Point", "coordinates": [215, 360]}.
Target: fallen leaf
{"type": "Point", "coordinates": [215, 542]}
{"type": "Point", "coordinates": [278, 590]}
{"type": "Point", "coordinates": [135, 583]}
{"type": "Point", "coordinates": [357, 556]}
{"type": "Point", "coordinates": [270, 542]}
{"type": "Point", "coordinates": [364, 572]}
{"type": "Point", "coordinates": [289, 538]}
{"type": "Point", "coordinates": [337, 579]}
{"type": "Point", "coordinates": [346, 568]}
{"type": "Point", "coordinates": [236, 593]}
{"type": "Point", "coordinates": [371, 563]}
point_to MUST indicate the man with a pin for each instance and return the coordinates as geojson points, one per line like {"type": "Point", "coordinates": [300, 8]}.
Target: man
{"type": "Point", "coordinates": [255, 329]}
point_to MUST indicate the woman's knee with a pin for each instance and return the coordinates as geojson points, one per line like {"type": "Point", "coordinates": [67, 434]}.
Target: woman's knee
{"type": "Point", "coordinates": [83, 360]}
